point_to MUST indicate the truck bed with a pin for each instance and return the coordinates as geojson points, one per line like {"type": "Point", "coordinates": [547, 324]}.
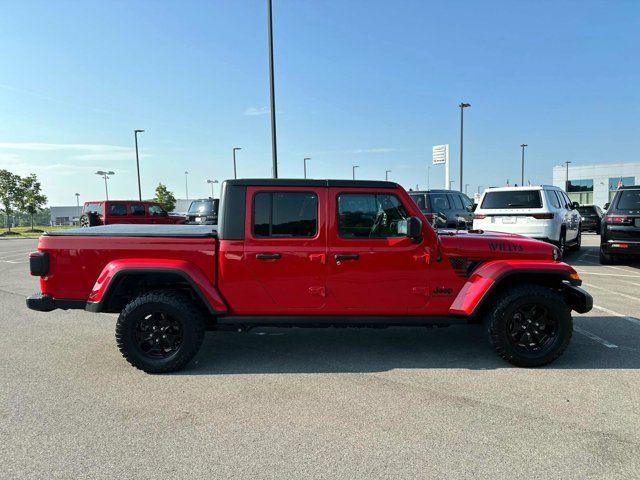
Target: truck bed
{"type": "Point", "coordinates": [146, 230]}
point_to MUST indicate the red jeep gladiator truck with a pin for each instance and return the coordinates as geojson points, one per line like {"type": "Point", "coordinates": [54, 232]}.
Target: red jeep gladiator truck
{"type": "Point", "coordinates": [308, 253]}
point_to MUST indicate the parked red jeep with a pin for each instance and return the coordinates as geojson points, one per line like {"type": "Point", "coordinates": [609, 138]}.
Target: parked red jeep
{"type": "Point", "coordinates": [309, 253]}
{"type": "Point", "coordinates": [125, 211]}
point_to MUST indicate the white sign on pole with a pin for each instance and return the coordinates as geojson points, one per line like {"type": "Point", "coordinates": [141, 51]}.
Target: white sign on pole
{"type": "Point", "coordinates": [440, 156]}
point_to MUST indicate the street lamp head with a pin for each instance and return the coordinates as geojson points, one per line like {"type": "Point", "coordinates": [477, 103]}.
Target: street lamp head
{"type": "Point", "coordinates": [101, 172]}
{"type": "Point", "coordinates": [186, 173]}
{"type": "Point", "coordinates": [212, 181]}
{"type": "Point", "coordinates": [524, 145]}
{"type": "Point", "coordinates": [77, 194]}
{"type": "Point", "coordinates": [237, 148]}
{"type": "Point", "coordinates": [138, 131]}
{"type": "Point", "coordinates": [111, 173]}
{"type": "Point", "coordinates": [464, 105]}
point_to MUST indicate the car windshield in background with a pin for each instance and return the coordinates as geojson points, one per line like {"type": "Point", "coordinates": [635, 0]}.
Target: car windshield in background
{"type": "Point", "coordinates": [201, 207]}
{"type": "Point", "coordinates": [512, 199]}
{"type": "Point", "coordinates": [629, 200]}
{"type": "Point", "coordinates": [586, 210]}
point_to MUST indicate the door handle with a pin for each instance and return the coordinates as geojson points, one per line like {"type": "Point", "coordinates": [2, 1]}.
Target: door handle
{"type": "Point", "coordinates": [268, 256]}
{"type": "Point", "coordinates": [340, 257]}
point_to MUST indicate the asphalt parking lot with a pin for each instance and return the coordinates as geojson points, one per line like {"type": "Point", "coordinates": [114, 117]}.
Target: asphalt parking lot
{"type": "Point", "coordinates": [327, 403]}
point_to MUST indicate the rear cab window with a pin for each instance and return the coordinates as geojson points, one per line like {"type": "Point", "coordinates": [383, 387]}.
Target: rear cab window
{"type": "Point", "coordinates": [512, 199]}
{"type": "Point", "coordinates": [285, 214]}
{"type": "Point", "coordinates": [93, 208]}
{"type": "Point", "coordinates": [439, 202]}
{"type": "Point", "coordinates": [421, 200]}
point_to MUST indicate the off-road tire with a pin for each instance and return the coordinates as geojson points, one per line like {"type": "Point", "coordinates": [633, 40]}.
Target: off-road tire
{"type": "Point", "coordinates": [179, 307]}
{"type": "Point", "coordinates": [562, 244]}
{"type": "Point", "coordinates": [497, 318]}
{"type": "Point", "coordinates": [89, 220]}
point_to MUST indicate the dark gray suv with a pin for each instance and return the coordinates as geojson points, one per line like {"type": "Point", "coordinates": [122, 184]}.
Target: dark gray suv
{"type": "Point", "coordinates": [445, 208]}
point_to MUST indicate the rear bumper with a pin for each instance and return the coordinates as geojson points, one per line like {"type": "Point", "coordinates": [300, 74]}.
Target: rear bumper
{"type": "Point", "coordinates": [621, 247]}
{"type": "Point", "coordinates": [46, 303]}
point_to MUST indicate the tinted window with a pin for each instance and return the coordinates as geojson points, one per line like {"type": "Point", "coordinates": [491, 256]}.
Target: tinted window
{"type": "Point", "coordinates": [466, 201]}
{"type": "Point", "coordinates": [439, 202]}
{"type": "Point", "coordinates": [457, 201]}
{"type": "Point", "coordinates": [629, 200]}
{"type": "Point", "coordinates": [512, 199]}
{"type": "Point", "coordinates": [202, 207]}
{"type": "Point", "coordinates": [363, 215]}
{"type": "Point", "coordinates": [285, 214]}
{"type": "Point", "coordinates": [117, 209]}
{"type": "Point", "coordinates": [586, 211]}
{"type": "Point", "coordinates": [553, 198]}
{"type": "Point", "coordinates": [420, 200]}
{"type": "Point", "coordinates": [137, 209]}
{"type": "Point", "coordinates": [156, 210]}
{"type": "Point", "coordinates": [93, 207]}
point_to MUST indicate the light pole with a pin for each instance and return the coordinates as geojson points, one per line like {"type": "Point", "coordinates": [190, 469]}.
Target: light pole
{"type": "Point", "coordinates": [78, 203]}
{"type": "Point", "coordinates": [479, 188]}
{"type": "Point", "coordinates": [353, 171]}
{"type": "Point", "coordinates": [462, 107]}
{"type": "Point", "coordinates": [522, 176]}
{"type": "Point", "coordinates": [105, 176]}
{"type": "Point", "coordinates": [386, 175]}
{"type": "Point", "coordinates": [450, 184]}
{"type": "Point", "coordinates": [186, 183]}
{"type": "Point", "coordinates": [211, 182]}
{"type": "Point", "coordinates": [304, 160]}
{"type": "Point", "coordinates": [235, 175]}
{"type": "Point", "coordinates": [466, 185]}
{"type": "Point", "coordinates": [135, 135]}
{"type": "Point", "coordinates": [272, 94]}
{"type": "Point", "coordinates": [566, 183]}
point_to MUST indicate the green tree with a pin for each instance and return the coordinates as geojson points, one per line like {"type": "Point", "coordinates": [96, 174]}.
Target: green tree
{"type": "Point", "coordinates": [9, 193]}
{"type": "Point", "coordinates": [31, 199]}
{"type": "Point", "coordinates": [165, 197]}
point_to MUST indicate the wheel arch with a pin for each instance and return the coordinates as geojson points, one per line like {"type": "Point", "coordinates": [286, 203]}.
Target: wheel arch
{"type": "Point", "coordinates": [117, 285]}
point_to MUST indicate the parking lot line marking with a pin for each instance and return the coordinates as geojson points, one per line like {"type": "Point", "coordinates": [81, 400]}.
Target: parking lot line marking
{"type": "Point", "coordinates": [621, 269]}
{"type": "Point", "coordinates": [618, 314]}
{"type": "Point", "coordinates": [15, 255]}
{"type": "Point", "coordinates": [631, 283]}
{"type": "Point", "coordinates": [586, 272]}
{"type": "Point", "coordinates": [595, 337]}
{"type": "Point", "coordinates": [2, 252]}
{"type": "Point", "coordinates": [10, 261]}
{"type": "Point", "coordinates": [613, 292]}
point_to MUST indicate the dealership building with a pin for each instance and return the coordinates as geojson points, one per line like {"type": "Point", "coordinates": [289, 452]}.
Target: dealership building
{"type": "Point", "coordinates": [595, 184]}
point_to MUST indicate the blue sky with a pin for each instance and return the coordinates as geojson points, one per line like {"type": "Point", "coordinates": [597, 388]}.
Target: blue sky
{"type": "Point", "coordinates": [370, 83]}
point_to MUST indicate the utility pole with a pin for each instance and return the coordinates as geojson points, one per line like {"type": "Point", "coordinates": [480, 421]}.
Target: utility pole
{"type": "Point", "coordinates": [135, 135]}
{"type": "Point", "coordinates": [211, 182]}
{"type": "Point", "coordinates": [186, 183]}
{"type": "Point", "coordinates": [386, 175]}
{"type": "Point", "coordinates": [353, 171]}
{"type": "Point", "coordinates": [78, 203]}
{"type": "Point", "coordinates": [105, 176]}
{"type": "Point", "coordinates": [272, 94]}
{"type": "Point", "coordinates": [566, 183]}
{"type": "Point", "coordinates": [522, 176]}
{"type": "Point", "coordinates": [235, 175]}
{"type": "Point", "coordinates": [304, 160]}
{"type": "Point", "coordinates": [462, 107]}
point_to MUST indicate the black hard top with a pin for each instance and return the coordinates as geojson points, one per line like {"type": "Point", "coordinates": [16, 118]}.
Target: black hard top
{"type": "Point", "coordinates": [128, 230]}
{"type": "Point", "coordinates": [299, 182]}
{"type": "Point", "coordinates": [434, 191]}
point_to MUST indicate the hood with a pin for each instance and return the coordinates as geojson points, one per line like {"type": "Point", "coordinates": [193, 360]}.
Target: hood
{"type": "Point", "coordinates": [481, 245]}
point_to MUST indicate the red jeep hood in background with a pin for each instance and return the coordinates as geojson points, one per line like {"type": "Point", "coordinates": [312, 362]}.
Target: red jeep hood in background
{"type": "Point", "coordinates": [486, 245]}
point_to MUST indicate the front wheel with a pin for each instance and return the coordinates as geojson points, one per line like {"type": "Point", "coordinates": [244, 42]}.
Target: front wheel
{"type": "Point", "coordinates": [529, 325]}
{"type": "Point", "coordinates": [160, 331]}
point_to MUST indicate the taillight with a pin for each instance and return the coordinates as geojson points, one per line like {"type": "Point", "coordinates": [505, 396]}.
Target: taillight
{"type": "Point", "coordinates": [39, 263]}
{"type": "Point", "coordinates": [619, 219]}
{"type": "Point", "coordinates": [543, 216]}
{"type": "Point", "coordinates": [479, 216]}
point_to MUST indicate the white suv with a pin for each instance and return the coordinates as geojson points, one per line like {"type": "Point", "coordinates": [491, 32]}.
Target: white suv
{"type": "Point", "coordinates": [543, 212]}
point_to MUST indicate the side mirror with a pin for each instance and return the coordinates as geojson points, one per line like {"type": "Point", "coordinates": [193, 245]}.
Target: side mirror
{"type": "Point", "coordinates": [414, 229]}
{"type": "Point", "coordinates": [473, 207]}
{"type": "Point", "coordinates": [606, 206]}
{"type": "Point", "coordinates": [575, 205]}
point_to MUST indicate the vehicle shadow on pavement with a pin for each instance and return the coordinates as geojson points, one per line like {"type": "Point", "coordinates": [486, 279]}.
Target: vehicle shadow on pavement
{"type": "Point", "coordinates": [331, 350]}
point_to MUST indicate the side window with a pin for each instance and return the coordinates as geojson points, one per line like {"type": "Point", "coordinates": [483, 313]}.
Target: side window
{"type": "Point", "coordinates": [561, 199]}
{"type": "Point", "coordinates": [156, 210]}
{"type": "Point", "coordinates": [466, 202]}
{"type": "Point", "coordinates": [420, 201]}
{"type": "Point", "coordinates": [553, 198]}
{"type": "Point", "coordinates": [439, 202]}
{"type": "Point", "coordinates": [368, 215]}
{"type": "Point", "coordinates": [117, 209]}
{"type": "Point", "coordinates": [567, 202]}
{"type": "Point", "coordinates": [457, 201]}
{"type": "Point", "coordinates": [285, 214]}
{"type": "Point", "coordinates": [137, 209]}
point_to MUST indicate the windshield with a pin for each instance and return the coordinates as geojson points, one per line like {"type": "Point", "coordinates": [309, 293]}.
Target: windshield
{"type": "Point", "coordinates": [512, 199]}
{"type": "Point", "coordinates": [203, 207]}
{"type": "Point", "coordinates": [629, 200]}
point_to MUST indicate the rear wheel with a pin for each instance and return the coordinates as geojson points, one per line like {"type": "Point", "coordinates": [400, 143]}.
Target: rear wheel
{"type": "Point", "coordinates": [529, 325]}
{"type": "Point", "coordinates": [606, 258]}
{"type": "Point", "coordinates": [562, 244]}
{"type": "Point", "coordinates": [160, 331]}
